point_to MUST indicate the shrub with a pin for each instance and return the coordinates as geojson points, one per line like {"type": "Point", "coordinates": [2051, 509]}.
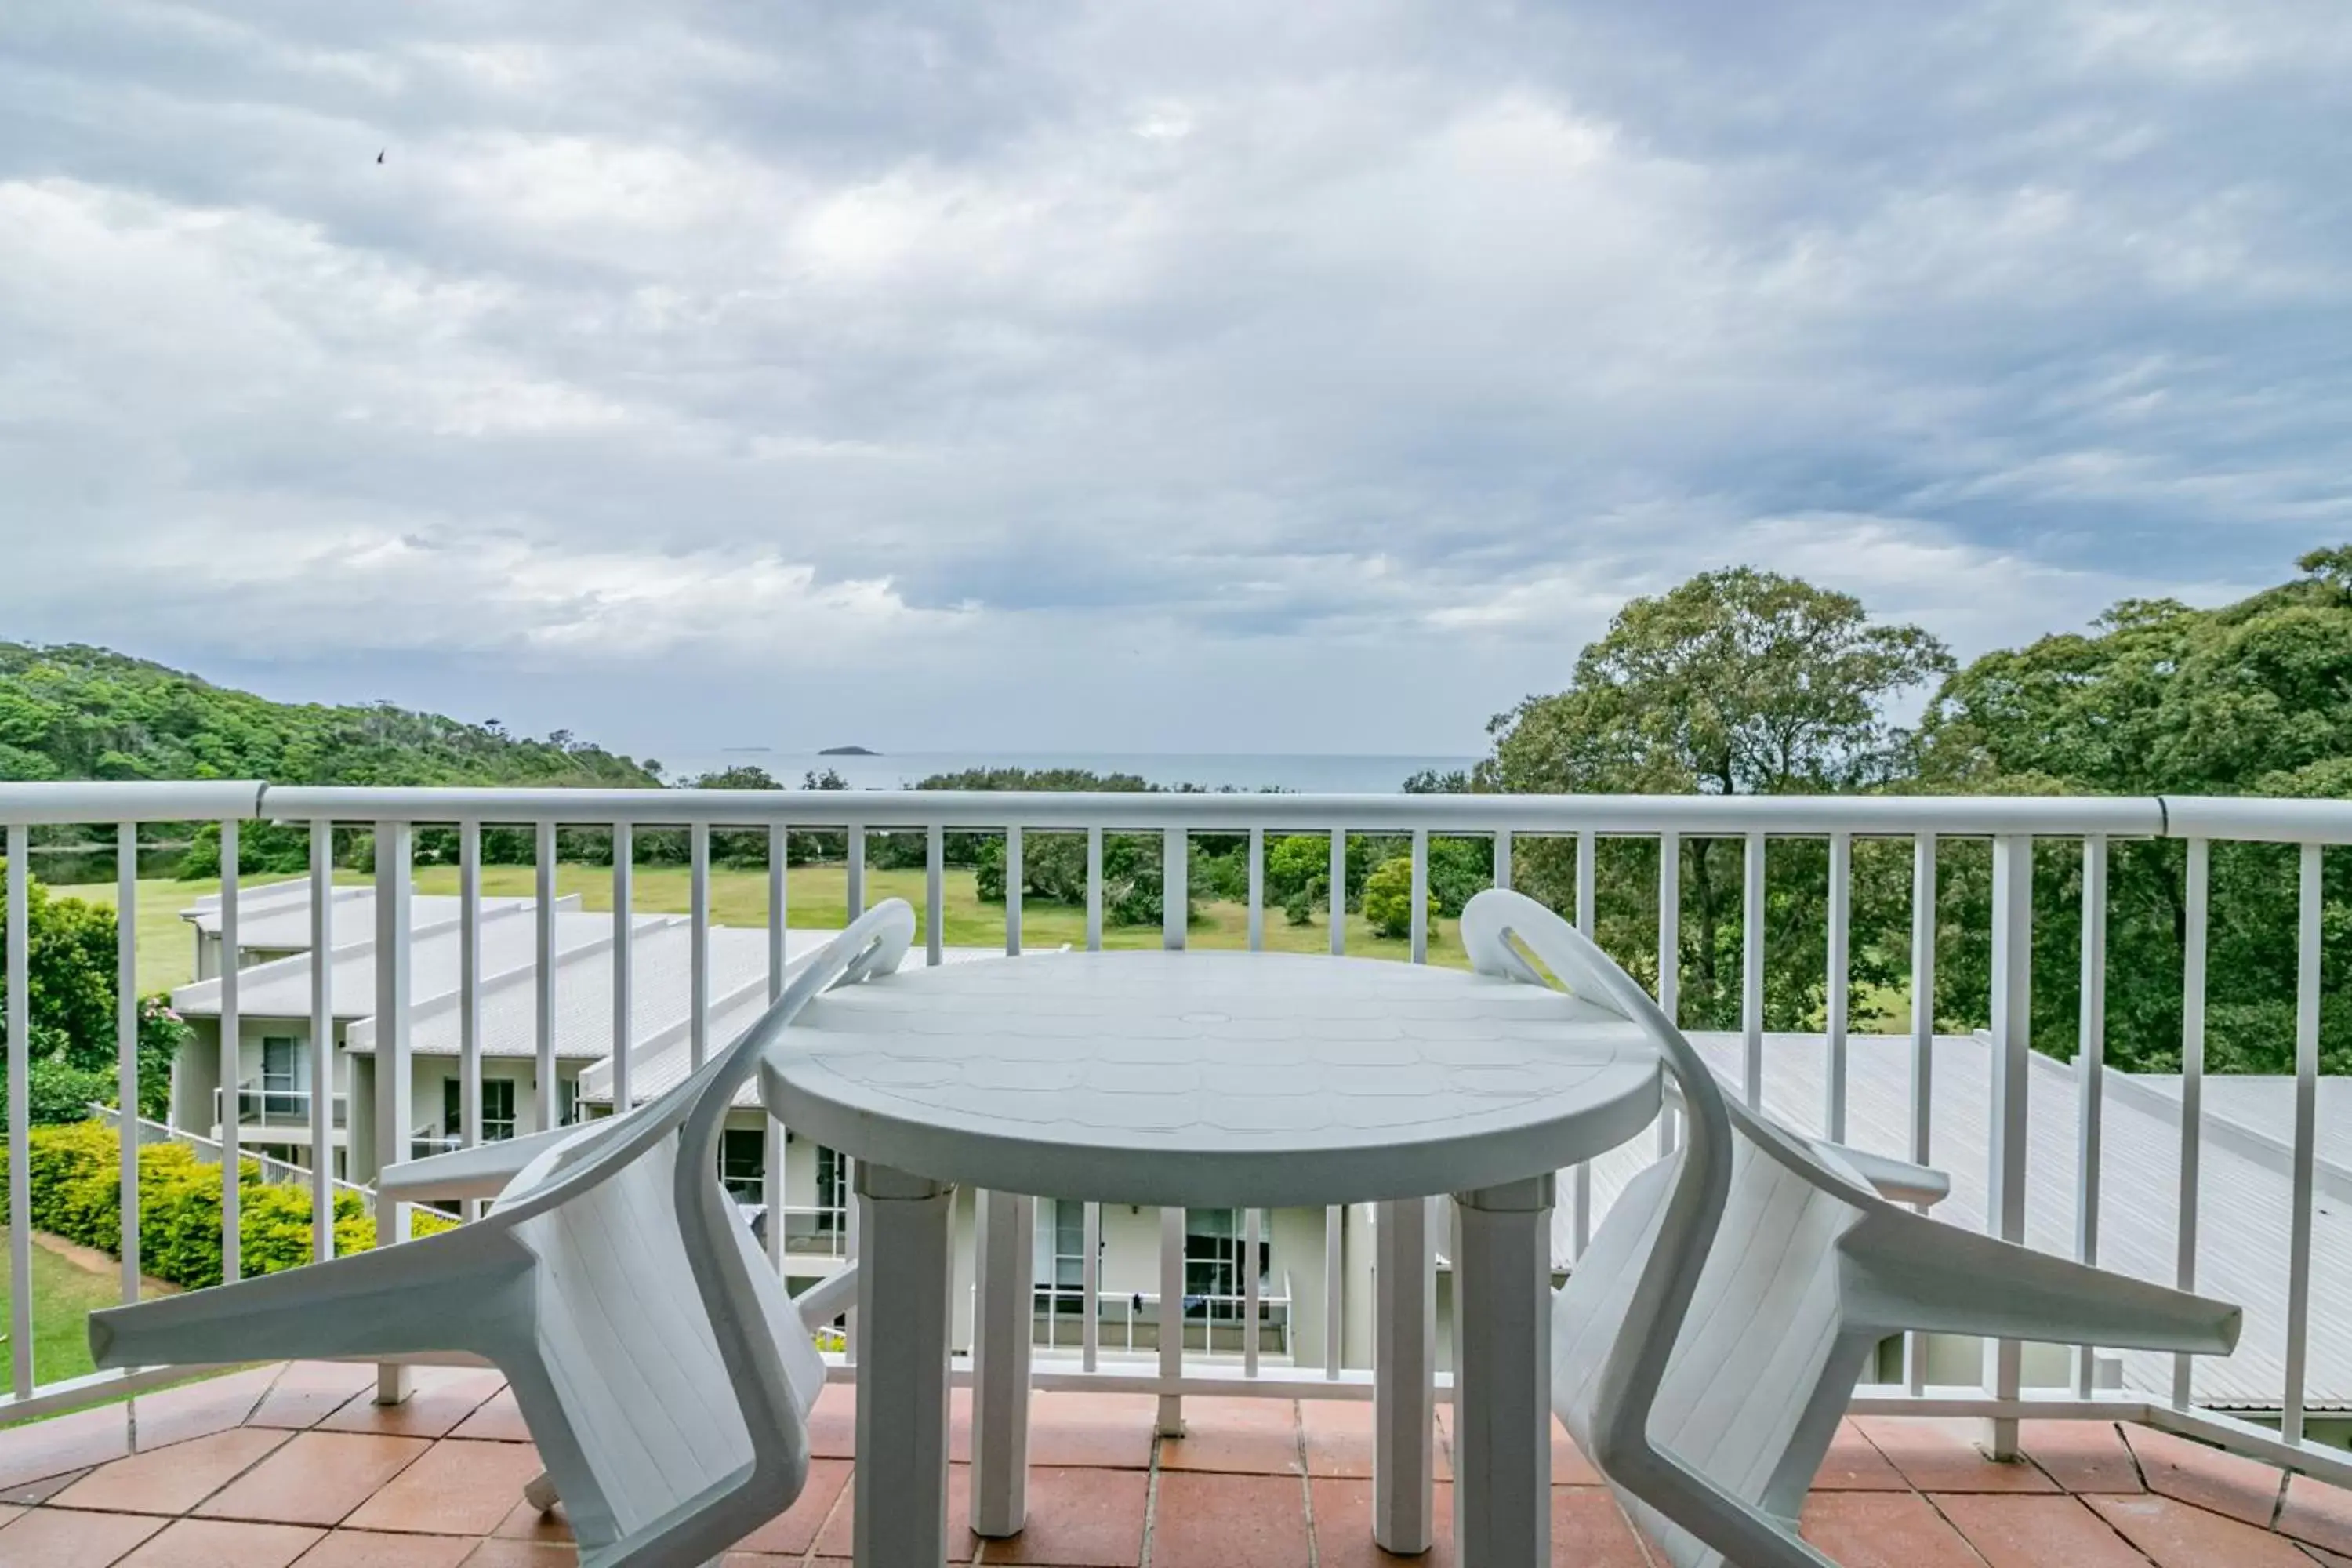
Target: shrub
{"type": "Point", "coordinates": [77, 1194]}
{"type": "Point", "coordinates": [1388, 898]}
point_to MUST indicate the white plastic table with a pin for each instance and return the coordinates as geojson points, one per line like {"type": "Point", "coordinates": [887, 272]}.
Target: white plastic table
{"type": "Point", "coordinates": [1209, 1079]}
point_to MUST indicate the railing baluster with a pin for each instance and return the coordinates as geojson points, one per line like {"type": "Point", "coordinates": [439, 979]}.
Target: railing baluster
{"type": "Point", "coordinates": [1420, 895]}
{"type": "Point", "coordinates": [1094, 889]}
{"type": "Point", "coordinates": [779, 909]}
{"type": "Point", "coordinates": [2192, 1092]}
{"type": "Point", "coordinates": [1923, 1051]}
{"type": "Point", "coordinates": [1249, 1294]}
{"type": "Point", "coordinates": [1013, 892]}
{"type": "Point", "coordinates": [2089, 1067]}
{"type": "Point", "coordinates": [322, 1044]}
{"type": "Point", "coordinates": [1587, 874]}
{"type": "Point", "coordinates": [1580, 1179]}
{"type": "Point", "coordinates": [2012, 1039]}
{"type": "Point", "coordinates": [1339, 873]}
{"type": "Point", "coordinates": [1256, 889]}
{"type": "Point", "coordinates": [1503, 858]}
{"type": "Point", "coordinates": [1173, 848]}
{"type": "Point", "coordinates": [935, 877]}
{"type": "Point", "coordinates": [775, 1194]}
{"type": "Point", "coordinates": [1751, 973]}
{"type": "Point", "coordinates": [232, 1055]}
{"type": "Point", "coordinates": [126, 1045]}
{"type": "Point", "coordinates": [1171, 1423]}
{"type": "Point", "coordinates": [393, 1090]}
{"type": "Point", "coordinates": [698, 946]}
{"type": "Point", "coordinates": [1840, 921]}
{"type": "Point", "coordinates": [625, 1006]}
{"type": "Point", "coordinates": [20, 1115]}
{"type": "Point", "coordinates": [2306, 1119]}
{"type": "Point", "coordinates": [543, 976]}
{"type": "Point", "coordinates": [1090, 1288]}
{"type": "Point", "coordinates": [1670, 954]}
{"type": "Point", "coordinates": [855, 836]}
{"type": "Point", "coordinates": [1335, 1317]}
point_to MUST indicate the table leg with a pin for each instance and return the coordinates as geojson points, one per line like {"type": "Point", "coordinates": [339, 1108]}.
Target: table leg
{"type": "Point", "coordinates": [1003, 1311]}
{"type": "Point", "coordinates": [1404, 1385]}
{"type": "Point", "coordinates": [903, 1290]}
{"type": "Point", "coordinates": [1502, 1375]}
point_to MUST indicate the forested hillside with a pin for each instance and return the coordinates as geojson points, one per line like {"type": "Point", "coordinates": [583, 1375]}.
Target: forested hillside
{"type": "Point", "coordinates": [76, 712]}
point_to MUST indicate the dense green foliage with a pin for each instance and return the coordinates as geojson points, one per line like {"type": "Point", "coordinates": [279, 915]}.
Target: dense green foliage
{"type": "Point", "coordinates": [71, 957]}
{"type": "Point", "coordinates": [76, 1192]}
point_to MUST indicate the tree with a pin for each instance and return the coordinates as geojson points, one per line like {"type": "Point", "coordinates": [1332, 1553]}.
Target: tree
{"type": "Point", "coordinates": [1736, 682]}
{"type": "Point", "coordinates": [1388, 898]}
{"type": "Point", "coordinates": [71, 952]}
{"type": "Point", "coordinates": [2254, 698]}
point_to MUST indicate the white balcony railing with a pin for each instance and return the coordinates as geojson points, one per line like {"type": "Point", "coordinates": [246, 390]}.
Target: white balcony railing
{"type": "Point", "coordinates": [2011, 825]}
{"type": "Point", "coordinates": [283, 1108]}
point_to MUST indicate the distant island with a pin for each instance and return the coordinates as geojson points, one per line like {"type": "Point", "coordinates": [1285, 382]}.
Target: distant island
{"type": "Point", "coordinates": [849, 751]}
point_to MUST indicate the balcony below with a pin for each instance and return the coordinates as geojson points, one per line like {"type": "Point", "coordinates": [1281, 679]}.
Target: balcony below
{"type": "Point", "coordinates": [293, 1465]}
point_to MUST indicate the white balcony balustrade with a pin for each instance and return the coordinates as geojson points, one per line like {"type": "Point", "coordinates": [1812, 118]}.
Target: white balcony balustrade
{"type": "Point", "coordinates": [2029, 1140]}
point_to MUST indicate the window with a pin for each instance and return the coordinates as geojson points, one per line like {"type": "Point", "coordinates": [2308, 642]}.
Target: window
{"type": "Point", "coordinates": [832, 1192]}
{"type": "Point", "coordinates": [282, 1077]}
{"type": "Point", "coordinates": [498, 1109]}
{"type": "Point", "coordinates": [743, 1164]}
{"type": "Point", "coordinates": [1069, 1245]}
{"type": "Point", "coordinates": [1215, 1261]}
{"type": "Point", "coordinates": [567, 1101]}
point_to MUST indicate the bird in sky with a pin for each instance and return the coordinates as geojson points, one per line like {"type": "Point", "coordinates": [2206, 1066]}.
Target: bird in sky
{"type": "Point", "coordinates": [379, 157]}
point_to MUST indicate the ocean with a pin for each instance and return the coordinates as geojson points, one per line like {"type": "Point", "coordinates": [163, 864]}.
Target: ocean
{"type": "Point", "coordinates": [1303, 773]}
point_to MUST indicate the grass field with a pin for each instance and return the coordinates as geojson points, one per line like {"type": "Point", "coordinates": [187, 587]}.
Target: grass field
{"type": "Point", "coordinates": [816, 897]}
{"type": "Point", "coordinates": [64, 1294]}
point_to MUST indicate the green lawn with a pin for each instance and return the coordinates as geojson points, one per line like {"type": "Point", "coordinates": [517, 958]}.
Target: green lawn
{"type": "Point", "coordinates": [816, 897]}
{"type": "Point", "coordinates": [64, 1294]}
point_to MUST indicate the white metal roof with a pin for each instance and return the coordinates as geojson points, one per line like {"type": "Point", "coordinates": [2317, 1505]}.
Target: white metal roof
{"type": "Point", "coordinates": [2244, 1207]}
{"type": "Point", "coordinates": [281, 988]}
{"type": "Point", "coordinates": [276, 915]}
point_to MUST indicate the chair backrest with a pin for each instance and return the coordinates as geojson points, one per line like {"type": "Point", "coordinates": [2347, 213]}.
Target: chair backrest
{"type": "Point", "coordinates": [1696, 1439]}
{"type": "Point", "coordinates": [670, 1376]}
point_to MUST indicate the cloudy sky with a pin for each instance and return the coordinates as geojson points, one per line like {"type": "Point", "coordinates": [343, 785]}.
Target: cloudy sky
{"type": "Point", "coordinates": [1221, 376]}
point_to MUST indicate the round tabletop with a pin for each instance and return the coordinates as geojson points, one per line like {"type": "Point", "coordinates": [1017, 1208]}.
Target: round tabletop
{"type": "Point", "coordinates": [1212, 1079]}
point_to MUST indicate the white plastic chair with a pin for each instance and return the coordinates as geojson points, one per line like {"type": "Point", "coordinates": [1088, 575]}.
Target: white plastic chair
{"type": "Point", "coordinates": [1710, 1339]}
{"type": "Point", "coordinates": [664, 1374]}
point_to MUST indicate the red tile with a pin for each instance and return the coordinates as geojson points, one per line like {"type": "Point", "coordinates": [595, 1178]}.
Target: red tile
{"type": "Point", "coordinates": [2317, 1514]}
{"type": "Point", "coordinates": [525, 1522]}
{"type": "Point", "coordinates": [8, 1511]}
{"type": "Point", "coordinates": [38, 1450]}
{"type": "Point", "coordinates": [1079, 1516]}
{"type": "Point", "coordinates": [1885, 1530]}
{"type": "Point", "coordinates": [2081, 1456]}
{"type": "Point", "coordinates": [1343, 1527]}
{"type": "Point", "coordinates": [2327, 1559]}
{"type": "Point", "coordinates": [839, 1534]}
{"type": "Point", "coordinates": [318, 1478]}
{"type": "Point", "coordinates": [2035, 1532]}
{"type": "Point", "coordinates": [32, 1494]}
{"type": "Point", "coordinates": [443, 1397]}
{"type": "Point", "coordinates": [1112, 1429]}
{"type": "Point", "coordinates": [1338, 1439]}
{"type": "Point", "coordinates": [1248, 1436]}
{"type": "Point", "coordinates": [833, 1423]}
{"type": "Point", "coordinates": [223, 1543]}
{"type": "Point", "coordinates": [366, 1549]}
{"type": "Point", "coordinates": [522, 1554]}
{"type": "Point", "coordinates": [172, 1480]}
{"type": "Point", "coordinates": [1854, 1464]}
{"type": "Point", "coordinates": [458, 1488]}
{"type": "Point", "coordinates": [2178, 1536]}
{"type": "Point", "coordinates": [1207, 1521]}
{"type": "Point", "coordinates": [796, 1529]}
{"type": "Point", "coordinates": [1939, 1455]}
{"type": "Point", "coordinates": [1590, 1531]}
{"type": "Point", "coordinates": [198, 1409]}
{"type": "Point", "coordinates": [307, 1391]}
{"type": "Point", "coordinates": [58, 1538]}
{"type": "Point", "coordinates": [2243, 1489]}
{"type": "Point", "coordinates": [498, 1420]}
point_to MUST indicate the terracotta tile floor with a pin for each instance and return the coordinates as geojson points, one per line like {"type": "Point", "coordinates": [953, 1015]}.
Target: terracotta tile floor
{"type": "Point", "coordinates": [294, 1468]}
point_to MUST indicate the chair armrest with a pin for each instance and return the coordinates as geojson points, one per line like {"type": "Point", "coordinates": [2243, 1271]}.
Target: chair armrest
{"type": "Point", "coordinates": [821, 1303]}
{"type": "Point", "coordinates": [1897, 1181]}
{"type": "Point", "coordinates": [482, 1172]}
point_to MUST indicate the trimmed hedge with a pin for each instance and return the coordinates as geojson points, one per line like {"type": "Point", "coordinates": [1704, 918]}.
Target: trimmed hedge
{"type": "Point", "coordinates": [76, 1192]}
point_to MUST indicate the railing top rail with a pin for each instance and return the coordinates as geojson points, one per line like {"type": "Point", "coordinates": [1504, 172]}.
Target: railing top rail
{"type": "Point", "coordinates": [2255, 817]}
{"type": "Point", "coordinates": [213, 800]}
{"type": "Point", "coordinates": [1812, 815]}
